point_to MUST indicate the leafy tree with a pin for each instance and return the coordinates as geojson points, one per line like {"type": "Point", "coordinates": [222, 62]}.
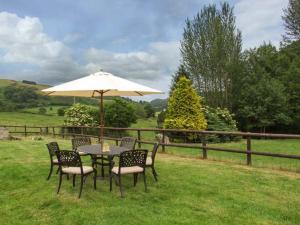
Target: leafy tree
{"type": "Point", "coordinates": [291, 20]}
{"type": "Point", "coordinates": [20, 94]}
{"type": "Point", "coordinates": [211, 53]}
{"type": "Point", "coordinates": [184, 108]}
{"type": "Point", "coordinates": [139, 110]}
{"type": "Point", "coordinates": [262, 100]}
{"type": "Point", "coordinates": [161, 119]}
{"type": "Point", "coordinates": [149, 111]}
{"type": "Point", "coordinates": [289, 75]}
{"type": "Point", "coordinates": [119, 114]}
{"type": "Point", "coordinates": [79, 115]}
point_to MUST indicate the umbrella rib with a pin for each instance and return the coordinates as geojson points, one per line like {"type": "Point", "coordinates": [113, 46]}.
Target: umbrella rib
{"type": "Point", "coordinates": [139, 93]}
{"type": "Point", "coordinates": [50, 93]}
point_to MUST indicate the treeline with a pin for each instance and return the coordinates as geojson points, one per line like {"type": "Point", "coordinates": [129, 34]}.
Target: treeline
{"type": "Point", "coordinates": [17, 97]}
{"type": "Point", "coordinates": [261, 86]}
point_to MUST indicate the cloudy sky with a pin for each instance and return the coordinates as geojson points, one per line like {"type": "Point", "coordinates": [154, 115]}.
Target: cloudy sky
{"type": "Point", "coordinates": [55, 41]}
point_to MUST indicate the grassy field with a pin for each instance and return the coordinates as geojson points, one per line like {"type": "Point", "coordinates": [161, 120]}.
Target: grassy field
{"type": "Point", "coordinates": [275, 146]}
{"type": "Point", "coordinates": [189, 191]}
{"type": "Point", "coordinates": [22, 118]}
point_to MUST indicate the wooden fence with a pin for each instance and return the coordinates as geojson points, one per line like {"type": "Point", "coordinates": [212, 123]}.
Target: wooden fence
{"type": "Point", "coordinates": [203, 145]}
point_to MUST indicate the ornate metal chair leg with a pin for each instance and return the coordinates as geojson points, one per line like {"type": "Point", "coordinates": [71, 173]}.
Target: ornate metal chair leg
{"type": "Point", "coordinates": [81, 184]}
{"type": "Point", "coordinates": [95, 178]}
{"type": "Point", "coordinates": [50, 172]}
{"type": "Point", "coordinates": [135, 176]}
{"type": "Point", "coordinates": [102, 167]}
{"type": "Point", "coordinates": [154, 173]}
{"type": "Point", "coordinates": [59, 184]}
{"type": "Point", "coordinates": [145, 183]}
{"type": "Point", "coordinates": [74, 176]}
{"type": "Point", "coordinates": [110, 181]}
{"type": "Point", "coordinates": [120, 184]}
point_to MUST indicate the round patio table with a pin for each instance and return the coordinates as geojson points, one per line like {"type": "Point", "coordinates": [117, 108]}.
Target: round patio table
{"type": "Point", "coordinates": [96, 150]}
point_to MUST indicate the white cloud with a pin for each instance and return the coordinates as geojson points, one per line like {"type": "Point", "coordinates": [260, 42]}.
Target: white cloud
{"type": "Point", "coordinates": [159, 58]}
{"type": "Point", "coordinates": [153, 66]}
{"type": "Point", "coordinates": [24, 41]}
{"type": "Point", "coordinates": [260, 20]}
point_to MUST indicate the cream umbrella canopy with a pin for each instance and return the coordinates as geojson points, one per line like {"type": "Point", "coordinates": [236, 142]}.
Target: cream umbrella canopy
{"type": "Point", "coordinates": [100, 84]}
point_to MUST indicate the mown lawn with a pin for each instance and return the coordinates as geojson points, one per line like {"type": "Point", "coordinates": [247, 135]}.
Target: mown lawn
{"type": "Point", "coordinates": [30, 119]}
{"type": "Point", "coordinates": [189, 191]}
{"type": "Point", "coordinates": [272, 146]}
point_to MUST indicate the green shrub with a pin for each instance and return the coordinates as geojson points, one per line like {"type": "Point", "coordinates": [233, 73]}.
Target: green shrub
{"type": "Point", "coordinates": [161, 119]}
{"type": "Point", "coordinates": [220, 120]}
{"type": "Point", "coordinates": [149, 111]}
{"type": "Point", "coordinates": [119, 114]}
{"type": "Point", "coordinates": [61, 111]}
{"type": "Point", "coordinates": [79, 115]}
{"type": "Point", "coordinates": [42, 110]}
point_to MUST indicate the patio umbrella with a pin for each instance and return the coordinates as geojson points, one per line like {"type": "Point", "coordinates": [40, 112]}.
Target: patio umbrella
{"type": "Point", "coordinates": [100, 84]}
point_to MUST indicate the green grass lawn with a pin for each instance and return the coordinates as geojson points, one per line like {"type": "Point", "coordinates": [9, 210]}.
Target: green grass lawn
{"type": "Point", "coordinates": [189, 191]}
{"type": "Point", "coordinates": [19, 118]}
{"type": "Point", "coordinates": [273, 146]}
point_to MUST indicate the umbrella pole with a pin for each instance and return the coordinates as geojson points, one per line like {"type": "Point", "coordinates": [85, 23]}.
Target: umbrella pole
{"type": "Point", "coordinates": [101, 119]}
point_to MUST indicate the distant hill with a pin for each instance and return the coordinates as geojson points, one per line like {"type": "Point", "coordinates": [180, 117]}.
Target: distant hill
{"type": "Point", "coordinates": [159, 104]}
{"type": "Point", "coordinates": [52, 100]}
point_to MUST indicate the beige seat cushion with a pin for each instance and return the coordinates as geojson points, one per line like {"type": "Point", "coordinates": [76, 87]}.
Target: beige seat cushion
{"type": "Point", "coordinates": [130, 169]}
{"type": "Point", "coordinates": [149, 161]}
{"type": "Point", "coordinates": [76, 170]}
{"type": "Point", "coordinates": [82, 153]}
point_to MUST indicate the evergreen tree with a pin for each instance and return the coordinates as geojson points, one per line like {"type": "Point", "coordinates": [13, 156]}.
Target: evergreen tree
{"type": "Point", "coordinates": [211, 52]}
{"type": "Point", "coordinates": [179, 73]}
{"type": "Point", "coordinates": [184, 108]}
{"type": "Point", "coordinates": [291, 20]}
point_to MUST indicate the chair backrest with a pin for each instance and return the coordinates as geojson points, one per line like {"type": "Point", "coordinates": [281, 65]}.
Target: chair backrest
{"type": "Point", "coordinates": [133, 158]}
{"type": "Point", "coordinates": [128, 142]}
{"type": "Point", "coordinates": [154, 151]}
{"type": "Point", "coordinates": [80, 141]}
{"type": "Point", "coordinates": [52, 148]}
{"type": "Point", "coordinates": [68, 159]}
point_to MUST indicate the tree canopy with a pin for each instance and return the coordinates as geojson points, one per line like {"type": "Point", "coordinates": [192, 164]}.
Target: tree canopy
{"type": "Point", "coordinates": [291, 19]}
{"type": "Point", "coordinates": [211, 50]}
{"type": "Point", "coordinates": [184, 108]}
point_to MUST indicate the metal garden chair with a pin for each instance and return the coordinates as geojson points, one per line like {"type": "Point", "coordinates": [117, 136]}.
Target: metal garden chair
{"type": "Point", "coordinates": [52, 149]}
{"type": "Point", "coordinates": [70, 163]}
{"type": "Point", "coordinates": [130, 162]}
{"type": "Point", "coordinates": [151, 159]}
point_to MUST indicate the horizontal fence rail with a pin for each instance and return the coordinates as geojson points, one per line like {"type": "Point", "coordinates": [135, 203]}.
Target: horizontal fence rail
{"type": "Point", "coordinates": [201, 143]}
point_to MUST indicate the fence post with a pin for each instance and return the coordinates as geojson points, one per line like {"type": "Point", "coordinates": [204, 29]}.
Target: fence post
{"type": "Point", "coordinates": [139, 138]}
{"type": "Point", "coordinates": [204, 150]}
{"type": "Point", "coordinates": [53, 131]}
{"type": "Point", "coordinates": [249, 160]}
{"type": "Point", "coordinates": [163, 141]}
{"type": "Point", "coordinates": [25, 131]}
{"type": "Point", "coordinates": [63, 131]}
